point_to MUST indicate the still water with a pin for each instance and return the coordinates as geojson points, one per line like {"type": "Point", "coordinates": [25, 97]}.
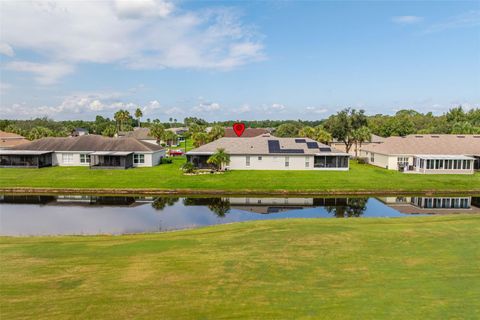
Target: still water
{"type": "Point", "coordinates": [83, 214]}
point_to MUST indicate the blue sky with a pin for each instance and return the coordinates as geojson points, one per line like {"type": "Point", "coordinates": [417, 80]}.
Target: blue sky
{"type": "Point", "coordinates": [237, 59]}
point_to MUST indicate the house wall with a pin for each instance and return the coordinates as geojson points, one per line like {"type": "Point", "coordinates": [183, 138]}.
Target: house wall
{"type": "Point", "coordinates": [383, 161]}
{"type": "Point", "coordinates": [57, 159]}
{"type": "Point", "coordinates": [151, 159]}
{"type": "Point", "coordinates": [238, 162]}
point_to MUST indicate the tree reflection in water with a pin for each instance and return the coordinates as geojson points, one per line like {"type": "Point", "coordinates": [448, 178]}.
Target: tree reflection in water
{"type": "Point", "coordinates": [219, 206]}
{"type": "Point", "coordinates": [355, 207]}
{"type": "Point", "coordinates": [161, 202]}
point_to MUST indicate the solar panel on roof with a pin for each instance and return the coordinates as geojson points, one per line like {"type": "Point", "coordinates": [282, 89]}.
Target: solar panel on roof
{"type": "Point", "coordinates": [325, 149]}
{"type": "Point", "coordinates": [300, 140]}
{"type": "Point", "coordinates": [312, 145]}
{"type": "Point", "coordinates": [274, 147]}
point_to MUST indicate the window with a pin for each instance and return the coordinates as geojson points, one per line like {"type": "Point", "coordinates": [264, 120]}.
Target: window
{"type": "Point", "coordinates": [372, 157]}
{"type": "Point", "coordinates": [465, 164]}
{"type": "Point", "coordinates": [247, 161]}
{"type": "Point", "coordinates": [422, 163]}
{"type": "Point", "coordinates": [84, 158]}
{"type": "Point", "coordinates": [287, 161]}
{"type": "Point", "coordinates": [307, 162]}
{"type": "Point", "coordinates": [67, 157]}
{"type": "Point", "coordinates": [402, 162]}
{"type": "Point", "coordinates": [448, 164]}
{"type": "Point", "coordinates": [468, 164]}
{"type": "Point", "coordinates": [138, 158]}
{"type": "Point", "coordinates": [259, 158]}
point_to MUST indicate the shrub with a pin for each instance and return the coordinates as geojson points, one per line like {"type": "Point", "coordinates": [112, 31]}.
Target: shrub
{"type": "Point", "coordinates": [165, 161]}
{"type": "Point", "coordinates": [362, 160]}
{"type": "Point", "coordinates": [188, 167]}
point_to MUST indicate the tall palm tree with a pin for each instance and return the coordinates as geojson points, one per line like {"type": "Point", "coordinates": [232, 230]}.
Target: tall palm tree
{"type": "Point", "coordinates": [360, 136]}
{"type": "Point", "coordinates": [157, 131]}
{"type": "Point", "coordinates": [169, 137]}
{"type": "Point", "coordinates": [121, 116]}
{"type": "Point", "coordinates": [219, 158]}
{"type": "Point", "coordinates": [138, 115]}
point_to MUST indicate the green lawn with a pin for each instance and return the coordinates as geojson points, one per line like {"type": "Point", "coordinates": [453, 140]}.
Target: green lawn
{"type": "Point", "coordinates": [169, 176]}
{"type": "Point", "coordinates": [404, 268]}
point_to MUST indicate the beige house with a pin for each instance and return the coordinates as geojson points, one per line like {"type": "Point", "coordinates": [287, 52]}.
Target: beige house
{"type": "Point", "coordinates": [92, 151]}
{"type": "Point", "coordinates": [266, 152]}
{"type": "Point", "coordinates": [438, 154]}
{"type": "Point", "coordinates": [433, 205]}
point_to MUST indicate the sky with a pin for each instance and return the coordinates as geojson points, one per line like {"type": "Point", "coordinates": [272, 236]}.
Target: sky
{"type": "Point", "coordinates": [236, 60]}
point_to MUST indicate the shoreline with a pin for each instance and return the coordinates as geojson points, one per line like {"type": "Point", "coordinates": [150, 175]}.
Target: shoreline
{"type": "Point", "coordinates": [216, 192]}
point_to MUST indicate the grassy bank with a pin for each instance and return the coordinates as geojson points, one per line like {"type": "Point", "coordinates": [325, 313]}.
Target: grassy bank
{"type": "Point", "coordinates": [169, 176]}
{"type": "Point", "coordinates": [408, 268]}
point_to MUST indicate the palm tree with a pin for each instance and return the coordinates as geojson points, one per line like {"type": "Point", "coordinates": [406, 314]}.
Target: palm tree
{"type": "Point", "coordinates": [307, 132]}
{"type": "Point", "coordinates": [157, 131]}
{"type": "Point", "coordinates": [219, 158]}
{"type": "Point", "coordinates": [138, 115]}
{"type": "Point", "coordinates": [360, 136]}
{"type": "Point", "coordinates": [322, 135]}
{"type": "Point", "coordinates": [169, 137]}
{"type": "Point", "coordinates": [199, 138]}
{"type": "Point", "coordinates": [121, 116]}
{"type": "Point", "coordinates": [217, 132]}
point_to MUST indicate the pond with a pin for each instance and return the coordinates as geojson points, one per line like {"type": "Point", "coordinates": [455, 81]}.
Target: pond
{"type": "Point", "coordinates": [24, 215]}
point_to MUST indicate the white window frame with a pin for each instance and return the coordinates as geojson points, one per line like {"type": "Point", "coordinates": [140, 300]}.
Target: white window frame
{"type": "Point", "coordinates": [84, 158]}
{"type": "Point", "coordinates": [307, 162]}
{"type": "Point", "coordinates": [247, 161]}
{"type": "Point", "coordinates": [259, 158]}
{"type": "Point", "coordinates": [287, 161]}
{"type": "Point", "coordinates": [67, 158]}
{"type": "Point", "coordinates": [138, 158]}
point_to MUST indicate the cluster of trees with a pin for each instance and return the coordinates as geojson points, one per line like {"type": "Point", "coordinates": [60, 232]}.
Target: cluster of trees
{"type": "Point", "coordinates": [349, 125]}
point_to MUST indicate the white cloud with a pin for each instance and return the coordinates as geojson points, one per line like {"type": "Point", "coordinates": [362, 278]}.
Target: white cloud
{"type": "Point", "coordinates": [316, 110]}
{"type": "Point", "coordinates": [110, 32]}
{"type": "Point", "coordinates": [243, 109]}
{"type": "Point", "coordinates": [4, 87]}
{"type": "Point", "coordinates": [142, 8]}
{"type": "Point", "coordinates": [464, 20]}
{"type": "Point", "coordinates": [6, 49]}
{"type": "Point", "coordinates": [407, 19]}
{"type": "Point", "coordinates": [207, 107]}
{"type": "Point", "coordinates": [47, 73]}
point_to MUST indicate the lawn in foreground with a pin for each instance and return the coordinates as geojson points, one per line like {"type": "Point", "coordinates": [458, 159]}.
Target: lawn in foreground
{"type": "Point", "coordinates": [169, 176]}
{"type": "Point", "coordinates": [405, 268]}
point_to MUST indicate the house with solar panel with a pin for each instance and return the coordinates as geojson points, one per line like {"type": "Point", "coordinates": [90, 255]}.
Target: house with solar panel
{"type": "Point", "coordinates": [266, 152]}
{"type": "Point", "coordinates": [426, 153]}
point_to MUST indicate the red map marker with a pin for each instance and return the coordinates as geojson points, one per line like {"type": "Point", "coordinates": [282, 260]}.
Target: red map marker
{"type": "Point", "coordinates": [239, 128]}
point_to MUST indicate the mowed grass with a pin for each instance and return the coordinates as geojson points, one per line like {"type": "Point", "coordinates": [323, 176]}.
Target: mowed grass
{"type": "Point", "coordinates": [169, 176]}
{"type": "Point", "coordinates": [404, 268]}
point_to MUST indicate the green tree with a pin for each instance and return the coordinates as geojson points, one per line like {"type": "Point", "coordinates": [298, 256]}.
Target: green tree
{"type": "Point", "coordinates": [343, 124]}
{"type": "Point", "coordinates": [360, 136]}
{"type": "Point", "coordinates": [39, 132]}
{"type": "Point", "coordinates": [157, 130]}
{"type": "Point", "coordinates": [121, 116]}
{"type": "Point", "coordinates": [169, 137]}
{"type": "Point", "coordinates": [307, 132]}
{"type": "Point", "coordinates": [138, 115]}
{"type": "Point", "coordinates": [219, 159]}
{"type": "Point", "coordinates": [288, 130]}
{"type": "Point", "coordinates": [322, 135]}
{"type": "Point", "coordinates": [217, 132]}
{"type": "Point", "coordinates": [109, 131]}
{"type": "Point", "coordinates": [200, 138]}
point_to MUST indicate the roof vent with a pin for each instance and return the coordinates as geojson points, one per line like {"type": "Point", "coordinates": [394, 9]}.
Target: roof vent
{"type": "Point", "coordinates": [418, 136]}
{"type": "Point", "coordinates": [460, 136]}
{"type": "Point", "coordinates": [435, 136]}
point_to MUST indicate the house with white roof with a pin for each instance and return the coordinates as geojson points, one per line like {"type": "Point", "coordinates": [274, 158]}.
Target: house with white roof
{"type": "Point", "coordinates": [422, 153]}
{"type": "Point", "coordinates": [267, 152]}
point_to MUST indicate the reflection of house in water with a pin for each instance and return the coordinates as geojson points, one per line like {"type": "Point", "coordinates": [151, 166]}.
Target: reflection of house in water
{"type": "Point", "coordinates": [267, 205]}
{"type": "Point", "coordinates": [433, 205]}
{"type": "Point", "coordinates": [270, 205]}
{"type": "Point", "coordinates": [76, 200]}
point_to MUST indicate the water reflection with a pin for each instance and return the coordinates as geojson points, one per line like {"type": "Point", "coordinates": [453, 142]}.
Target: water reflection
{"type": "Point", "coordinates": [90, 214]}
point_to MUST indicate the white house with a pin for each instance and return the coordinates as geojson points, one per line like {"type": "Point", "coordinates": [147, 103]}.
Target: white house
{"type": "Point", "coordinates": [267, 152]}
{"type": "Point", "coordinates": [439, 154]}
{"type": "Point", "coordinates": [92, 151]}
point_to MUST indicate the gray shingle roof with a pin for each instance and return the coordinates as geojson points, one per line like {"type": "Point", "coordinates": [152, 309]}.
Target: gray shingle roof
{"type": "Point", "coordinates": [89, 143]}
{"type": "Point", "coordinates": [260, 145]}
{"type": "Point", "coordinates": [431, 144]}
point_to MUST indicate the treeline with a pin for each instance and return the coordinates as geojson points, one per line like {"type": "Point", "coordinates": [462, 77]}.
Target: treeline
{"type": "Point", "coordinates": [404, 122]}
